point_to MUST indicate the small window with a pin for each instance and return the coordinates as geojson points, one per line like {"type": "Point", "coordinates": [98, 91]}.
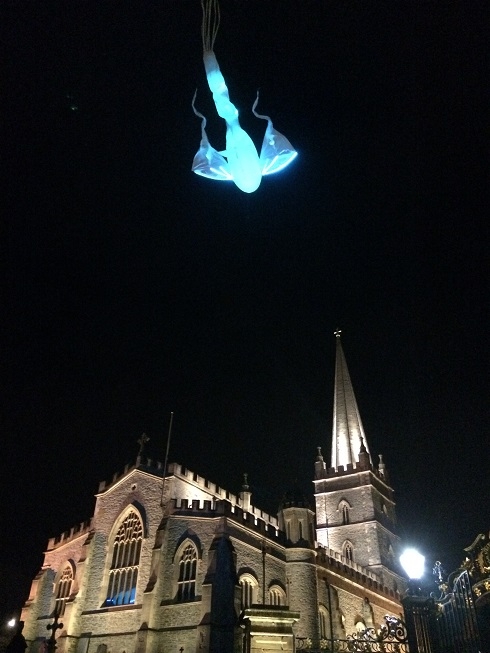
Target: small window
{"type": "Point", "coordinates": [342, 620]}
{"type": "Point", "coordinates": [391, 554]}
{"type": "Point", "coordinates": [344, 511]}
{"type": "Point", "coordinates": [63, 590]}
{"type": "Point", "coordinates": [277, 596]}
{"type": "Point", "coordinates": [324, 622]}
{"type": "Point", "coordinates": [367, 613]}
{"type": "Point", "coordinates": [187, 574]}
{"type": "Point", "coordinates": [348, 551]}
{"type": "Point", "coordinates": [249, 587]}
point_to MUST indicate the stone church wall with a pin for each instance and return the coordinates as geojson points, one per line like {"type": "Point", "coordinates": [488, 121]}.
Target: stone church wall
{"type": "Point", "coordinates": [155, 622]}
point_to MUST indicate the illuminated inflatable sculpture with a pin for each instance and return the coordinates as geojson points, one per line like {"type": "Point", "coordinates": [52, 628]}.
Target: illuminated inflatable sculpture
{"type": "Point", "coordinates": [240, 161]}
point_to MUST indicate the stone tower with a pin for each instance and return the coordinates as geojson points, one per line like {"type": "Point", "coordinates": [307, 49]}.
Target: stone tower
{"type": "Point", "coordinates": [297, 520]}
{"type": "Point", "coordinates": [355, 508]}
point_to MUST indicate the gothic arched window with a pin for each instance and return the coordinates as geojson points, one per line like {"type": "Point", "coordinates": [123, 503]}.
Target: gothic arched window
{"type": "Point", "coordinates": [344, 508]}
{"type": "Point", "coordinates": [342, 620]}
{"type": "Point", "coordinates": [324, 622]}
{"type": "Point", "coordinates": [63, 590]}
{"type": "Point", "coordinates": [360, 625]}
{"type": "Point", "coordinates": [249, 587]}
{"type": "Point", "coordinates": [186, 585]}
{"type": "Point", "coordinates": [391, 554]}
{"type": "Point", "coordinates": [277, 596]}
{"type": "Point", "coordinates": [367, 613]}
{"type": "Point", "coordinates": [123, 573]}
{"type": "Point", "coordinates": [348, 551]}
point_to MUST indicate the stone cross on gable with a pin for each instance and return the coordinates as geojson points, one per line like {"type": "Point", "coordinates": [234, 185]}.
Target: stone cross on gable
{"type": "Point", "coordinates": [142, 441]}
{"type": "Point", "coordinates": [51, 643]}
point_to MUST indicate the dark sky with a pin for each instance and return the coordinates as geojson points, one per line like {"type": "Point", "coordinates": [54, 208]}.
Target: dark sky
{"type": "Point", "coordinates": [132, 288]}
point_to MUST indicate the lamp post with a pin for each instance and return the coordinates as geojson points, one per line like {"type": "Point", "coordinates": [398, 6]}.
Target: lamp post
{"type": "Point", "coordinates": [419, 608]}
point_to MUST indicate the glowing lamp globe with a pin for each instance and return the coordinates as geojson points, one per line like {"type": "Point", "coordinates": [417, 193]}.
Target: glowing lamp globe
{"type": "Point", "coordinates": [413, 563]}
{"type": "Point", "coordinates": [11, 623]}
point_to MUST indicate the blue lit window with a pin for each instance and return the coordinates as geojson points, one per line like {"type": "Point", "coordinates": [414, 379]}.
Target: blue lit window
{"type": "Point", "coordinates": [123, 574]}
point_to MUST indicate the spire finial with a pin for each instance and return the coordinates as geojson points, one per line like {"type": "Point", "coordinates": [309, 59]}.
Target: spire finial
{"type": "Point", "coordinates": [381, 466]}
{"type": "Point", "coordinates": [319, 455]}
{"type": "Point", "coordinates": [337, 333]}
{"type": "Point", "coordinates": [245, 494]}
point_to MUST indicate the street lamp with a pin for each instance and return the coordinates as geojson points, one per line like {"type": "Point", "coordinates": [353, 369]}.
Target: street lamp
{"type": "Point", "coordinates": [419, 609]}
{"type": "Point", "coordinates": [413, 563]}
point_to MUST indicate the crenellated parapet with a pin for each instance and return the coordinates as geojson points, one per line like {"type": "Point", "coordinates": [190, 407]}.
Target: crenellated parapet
{"type": "Point", "coordinates": [351, 475]}
{"type": "Point", "coordinates": [350, 468]}
{"type": "Point", "coordinates": [69, 535]}
{"type": "Point", "coordinates": [179, 471]}
{"type": "Point", "coordinates": [334, 561]}
{"type": "Point", "coordinates": [217, 493]}
{"type": "Point", "coordinates": [254, 519]}
{"type": "Point", "coordinates": [155, 468]}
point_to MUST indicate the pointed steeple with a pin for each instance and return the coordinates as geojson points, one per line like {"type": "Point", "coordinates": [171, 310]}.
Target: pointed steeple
{"type": "Point", "coordinates": [348, 437]}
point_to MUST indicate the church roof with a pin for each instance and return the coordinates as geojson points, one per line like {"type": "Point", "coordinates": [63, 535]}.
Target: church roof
{"type": "Point", "coordinates": [348, 437]}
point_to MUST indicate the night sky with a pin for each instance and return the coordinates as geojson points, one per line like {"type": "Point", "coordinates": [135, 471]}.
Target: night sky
{"type": "Point", "coordinates": [132, 287]}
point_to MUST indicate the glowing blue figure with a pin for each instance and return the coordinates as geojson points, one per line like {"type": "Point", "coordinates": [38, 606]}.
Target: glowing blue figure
{"type": "Point", "coordinates": [240, 161]}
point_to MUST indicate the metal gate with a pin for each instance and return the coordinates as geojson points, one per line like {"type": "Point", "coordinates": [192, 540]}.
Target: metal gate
{"type": "Point", "coordinates": [456, 621]}
{"type": "Point", "coordinates": [444, 624]}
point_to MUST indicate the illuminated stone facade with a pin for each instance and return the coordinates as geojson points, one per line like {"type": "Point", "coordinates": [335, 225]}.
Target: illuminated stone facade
{"type": "Point", "coordinates": [176, 563]}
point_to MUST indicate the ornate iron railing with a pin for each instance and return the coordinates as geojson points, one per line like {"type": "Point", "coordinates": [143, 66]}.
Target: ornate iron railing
{"type": "Point", "coordinates": [456, 621]}
{"type": "Point", "coordinates": [391, 637]}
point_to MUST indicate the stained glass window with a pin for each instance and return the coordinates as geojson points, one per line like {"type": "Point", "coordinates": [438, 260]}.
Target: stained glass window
{"type": "Point", "coordinates": [123, 574]}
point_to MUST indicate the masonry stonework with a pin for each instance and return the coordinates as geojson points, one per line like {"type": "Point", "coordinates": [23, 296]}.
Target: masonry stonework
{"type": "Point", "coordinates": [172, 562]}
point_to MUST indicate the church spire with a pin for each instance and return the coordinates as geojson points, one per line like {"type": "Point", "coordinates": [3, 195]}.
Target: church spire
{"type": "Point", "coordinates": [348, 438]}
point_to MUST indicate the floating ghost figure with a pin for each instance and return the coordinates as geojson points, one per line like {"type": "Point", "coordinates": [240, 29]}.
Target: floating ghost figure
{"type": "Point", "coordinates": [240, 161]}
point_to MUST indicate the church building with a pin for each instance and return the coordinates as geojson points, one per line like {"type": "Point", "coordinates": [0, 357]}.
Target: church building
{"type": "Point", "coordinates": [171, 562]}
